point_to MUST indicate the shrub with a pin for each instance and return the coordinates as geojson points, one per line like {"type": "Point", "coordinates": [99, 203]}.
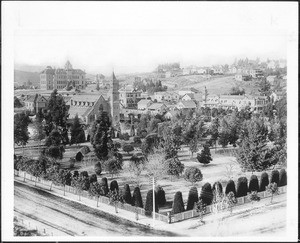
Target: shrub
{"type": "Point", "coordinates": [230, 187]}
{"type": "Point", "coordinates": [253, 184]}
{"type": "Point", "coordinates": [98, 168]}
{"type": "Point", "coordinates": [84, 174]}
{"type": "Point", "coordinates": [79, 156]}
{"type": "Point", "coordinates": [161, 197]}
{"type": "Point", "coordinates": [206, 194]}
{"type": "Point", "coordinates": [137, 140]}
{"type": "Point", "coordinates": [178, 205]}
{"type": "Point", "coordinates": [114, 186]}
{"type": "Point", "coordinates": [75, 174]}
{"type": "Point", "coordinates": [128, 148]}
{"type": "Point", "coordinates": [282, 178]}
{"type": "Point", "coordinates": [193, 175]}
{"type": "Point", "coordinates": [113, 166]}
{"type": "Point", "coordinates": [275, 177]}
{"type": "Point", "coordinates": [264, 181]}
{"type": "Point", "coordinates": [242, 187]}
{"type": "Point", "coordinates": [192, 198]}
{"type": "Point", "coordinates": [149, 203]}
{"type": "Point", "coordinates": [127, 194]}
{"type": "Point", "coordinates": [137, 198]}
{"type": "Point", "coordinates": [175, 167]}
{"type": "Point", "coordinates": [93, 178]}
{"type": "Point", "coordinates": [104, 185]}
{"type": "Point", "coordinates": [204, 157]}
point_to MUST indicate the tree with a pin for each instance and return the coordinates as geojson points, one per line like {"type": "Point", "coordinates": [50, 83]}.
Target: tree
{"type": "Point", "coordinates": [77, 132]}
{"type": "Point", "coordinates": [273, 189]}
{"type": "Point", "coordinates": [274, 177]}
{"type": "Point", "coordinates": [161, 197]}
{"type": "Point", "coordinates": [253, 197]}
{"type": "Point", "coordinates": [113, 166]}
{"type": "Point", "coordinates": [149, 203]}
{"type": "Point", "coordinates": [114, 186]}
{"type": "Point", "coordinates": [93, 178]}
{"type": "Point", "coordinates": [114, 198]}
{"type": "Point", "coordinates": [237, 91]}
{"type": "Point", "coordinates": [204, 157]}
{"type": "Point", "coordinates": [97, 87]}
{"type": "Point", "coordinates": [264, 87]}
{"type": "Point", "coordinates": [137, 198]}
{"type": "Point", "coordinates": [128, 148]}
{"type": "Point", "coordinates": [201, 209]}
{"type": "Point", "coordinates": [156, 165]}
{"type": "Point", "coordinates": [21, 134]}
{"type": "Point", "coordinates": [206, 194]}
{"type": "Point", "coordinates": [98, 168]}
{"type": "Point", "coordinates": [39, 132]}
{"type": "Point", "coordinates": [17, 103]}
{"type": "Point", "coordinates": [264, 181]}
{"type": "Point", "coordinates": [101, 135]}
{"type": "Point", "coordinates": [193, 175]}
{"type": "Point", "coordinates": [104, 186]}
{"type": "Point", "coordinates": [242, 187]}
{"type": "Point", "coordinates": [214, 130]}
{"type": "Point", "coordinates": [253, 184]}
{"type": "Point", "coordinates": [96, 190]}
{"type": "Point", "coordinates": [175, 167]}
{"type": "Point", "coordinates": [127, 194]}
{"type": "Point", "coordinates": [282, 178]}
{"type": "Point", "coordinates": [230, 187]}
{"type": "Point", "coordinates": [192, 198]}
{"type": "Point", "coordinates": [231, 200]}
{"type": "Point", "coordinates": [217, 190]}
{"type": "Point", "coordinates": [54, 149]}
{"type": "Point", "coordinates": [253, 153]}
{"type": "Point", "coordinates": [178, 205]}
{"type": "Point", "coordinates": [136, 165]}
{"type": "Point", "coordinates": [193, 146]}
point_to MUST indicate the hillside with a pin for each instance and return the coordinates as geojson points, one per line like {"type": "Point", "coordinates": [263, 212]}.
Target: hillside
{"type": "Point", "coordinates": [214, 85]}
{"type": "Point", "coordinates": [21, 76]}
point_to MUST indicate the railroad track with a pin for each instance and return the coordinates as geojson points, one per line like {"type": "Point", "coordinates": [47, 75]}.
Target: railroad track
{"type": "Point", "coordinates": [45, 222]}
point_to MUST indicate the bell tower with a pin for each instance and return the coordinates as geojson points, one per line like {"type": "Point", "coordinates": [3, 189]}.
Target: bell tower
{"type": "Point", "coordinates": [115, 102]}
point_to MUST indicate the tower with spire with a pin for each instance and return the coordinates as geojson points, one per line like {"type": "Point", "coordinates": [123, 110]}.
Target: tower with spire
{"type": "Point", "coordinates": [115, 101]}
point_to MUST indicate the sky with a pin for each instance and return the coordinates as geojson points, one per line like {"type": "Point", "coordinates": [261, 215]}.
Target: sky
{"type": "Point", "coordinates": [137, 36]}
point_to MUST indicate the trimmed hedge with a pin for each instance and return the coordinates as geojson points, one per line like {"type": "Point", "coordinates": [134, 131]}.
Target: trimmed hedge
{"type": "Point", "coordinates": [264, 181]}
{"type": "Point", "coordinates": [206, 194]}
{"type": "Point", "coordinates": [230, 187]}
{"type": "Point", "coordinates": [192, 198]}
{"type": "Point", "coordinates": [253, 184]}
{"type": "Point", "coordinates": [161, 196]}
{"type": "Point", "coordinates": [137, 198]}
{"type": "Point", "coordinates": [242, 187]}
{"type": "Point", "coordinates": [275, 177]}
{"type": "Point", "coordinates": [114, 186]}
{"type": "Point", "coordinates": [149, 203]}
{"type": "Point", "coordinates": [282, 178]}
{"type": "Point", "coordinates": [178, 205]}
{"type": "Point", "coordinates": [104, 184]}
{"type": "Point", "coordinates": [127, 194]}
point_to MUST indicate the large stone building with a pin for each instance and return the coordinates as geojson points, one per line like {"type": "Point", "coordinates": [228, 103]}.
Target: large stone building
{"type": "Point", "coordinates": [87, 106]}
{"type": "Point", "coordinates": [60, 78]}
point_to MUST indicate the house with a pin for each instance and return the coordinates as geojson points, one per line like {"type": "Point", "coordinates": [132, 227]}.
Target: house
{"type": "Point", "coordinates": [166, 96]}
{"type": "Point", "coordinates": [242, 77]}
{"type": "Point", "coordinates": [186, 104]}
{"type": "Point", "coordinates": [256, 73]}
{"type": "Point", "coordinates": [188, 96]}
{"type": "Point", "coordinates": [271, 79]}
{"type": "Point", "coordinates": [171, 114]}
{"type": "Point", "coordinates": [144, 104]}
{"type": "Point", "coordinates": [157, 108]}
{"type": "Point", "coordinates": [129, 97]}
{"type": "Point", "coordinates": [35, 103]}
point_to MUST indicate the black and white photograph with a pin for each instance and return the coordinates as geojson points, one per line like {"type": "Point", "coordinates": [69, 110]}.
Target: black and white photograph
{"type": "Point", "coordinates": [149, 121]}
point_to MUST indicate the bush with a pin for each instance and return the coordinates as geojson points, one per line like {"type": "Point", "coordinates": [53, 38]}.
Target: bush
{"type": "Point", "coordinates": [282, 178]}
{"type": "Point", "coordinates": [161, 197]}
{"type": "Point", "coordinates": [149, 203]}
{"type": "Point", "coordinates": [204, 157]}
{"type": "Point", "coordinates": [175, 167]}
{"type": "Point", "coordinates": [104, 185]}
{"type": "Point", "coordinates": [137, 140]}
{"type": "Point", "coordinates": [128, 148]}
{"type": "Point", "coordinates": [93, 178]}
{"type": "Point", "coordinates": [192, 198]}
{"type": "Point", "coordinates": [264, 181]}
{"type": "Point", "coordinates": [98, 168]}
{"type": "Point", "coordinates": [113, 166]}
{"type": "Point", "coordinates": [242, 187]}
{"type": "Point", "coordinates": [79, 156]}
{"type": "Point", "coordinates": [114, 186]}
{"type": "Point", "coordinates": [275, 177]}
{"type": "Point", "coordinates": [75, 174]}
{"type": "Point", "coordinates": [193, 174]}
{"type": "Point", "coordinates": [230, 187]}
{"type": "Point", "coordinates": [137, 198]}
{"type": "Point", "coordinates": [178, 206]}
{"type": "Point", "coordinates": [206, 194]}
{"type": "Point", "coordinates": [253, 184]}
{"type": "Point", "coordinates": [84, 174]}
{"type": "Point", "coordinates": [127, 194]}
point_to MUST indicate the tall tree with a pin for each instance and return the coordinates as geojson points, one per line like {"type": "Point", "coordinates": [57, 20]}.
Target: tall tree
{"type": "Point", "coordinates": [77, 132]}
{"type": "Point", "coordinates": [204, 157]}
{"type": "Point", "coordinates": [21, 134]}
{"type": "Point", "coordinates": [39, 132]}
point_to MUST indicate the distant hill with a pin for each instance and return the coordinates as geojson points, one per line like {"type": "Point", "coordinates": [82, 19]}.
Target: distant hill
{"type": "Point", "coordinates": [21, 76]}
{"type": "Point", "coordinates": [29, 68]}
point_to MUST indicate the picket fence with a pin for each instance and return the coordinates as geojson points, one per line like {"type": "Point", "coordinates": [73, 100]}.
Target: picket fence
{"type": "Point", "coordinates": [172, 219]}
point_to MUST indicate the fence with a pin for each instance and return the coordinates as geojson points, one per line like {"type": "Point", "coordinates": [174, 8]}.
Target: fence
{"type": "Point", "coordinates": [174, 218]}
{"type": "Point", "coordinates": [211, 208]}
{"type": "Point", "coordinates": [31, 226]}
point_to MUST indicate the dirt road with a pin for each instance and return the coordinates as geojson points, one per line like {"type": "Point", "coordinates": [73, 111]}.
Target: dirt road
{"type": "Point", "coordinates": [70, 218]}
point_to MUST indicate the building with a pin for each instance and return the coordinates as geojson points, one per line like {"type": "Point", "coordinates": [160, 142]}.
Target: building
{"type": "Point", "coordinates": [157, 108]}
{"type": "Point", "coordinates": [60, 78]}
{"type": "Point", "coordinates": [256, 73]}
{"type": "Point", "coordinates": [171, 114]}
{"type": "Point", "coordinates": [166, 96]}
{"type": "Point", "coordinates": [36, 103]}
{"type": "Point", "coordinates": [271, 79]}
{"type": "Point", "coordinates": [88, 106]}
{"type": "Point", "coordinates": [256, 103]}
{"type": "Point", "coordinates": [186, 105]}
{"type": "Point", "coordinates": [242, 77]}
{"type": "Point", "coordinates": [129, 97]}
{"type": "Point", "coordinates": [144, 104]}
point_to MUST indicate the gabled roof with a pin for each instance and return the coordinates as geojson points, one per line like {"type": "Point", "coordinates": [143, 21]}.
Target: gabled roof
{"type": "Point", "coordinates": [188, 103]}
{"type": "Point", "coordinates": [156, 106]}
{"type": "Point", "coordinates": [144, 102]}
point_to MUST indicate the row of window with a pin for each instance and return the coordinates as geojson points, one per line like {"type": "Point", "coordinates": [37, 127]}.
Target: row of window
{"type": "Point", "coordinates": [83, 103]}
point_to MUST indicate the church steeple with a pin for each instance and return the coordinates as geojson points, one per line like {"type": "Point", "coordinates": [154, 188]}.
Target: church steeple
{"type": "Point", "coordinates": [115, 101]}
